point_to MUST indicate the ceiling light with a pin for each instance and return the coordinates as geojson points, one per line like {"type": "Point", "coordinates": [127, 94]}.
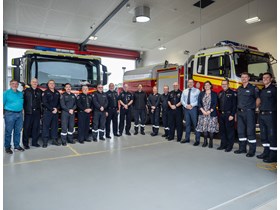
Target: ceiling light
{"type": "Point", "coordinates": [162, 48]}
{"type": "Point", "coordinates": [142, 14]}
{"type": "Point", "coordinates": [253, 20]}
{"type": "Point", "coordinates": [93, 38]}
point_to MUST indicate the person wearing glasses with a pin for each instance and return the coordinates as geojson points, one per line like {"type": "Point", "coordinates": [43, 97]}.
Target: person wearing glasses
{"type": "Point", "coordinates": [100, 103]}
{"type": "Point", "coordinates": [13, 105]}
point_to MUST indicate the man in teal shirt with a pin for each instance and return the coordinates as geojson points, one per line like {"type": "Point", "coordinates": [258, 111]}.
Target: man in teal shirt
{"type": "Point", "coordinates": [13, 105]}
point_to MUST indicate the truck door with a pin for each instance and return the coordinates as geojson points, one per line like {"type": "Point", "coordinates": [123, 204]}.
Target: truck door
{"type": "Point", "coordinates": [166, 77]}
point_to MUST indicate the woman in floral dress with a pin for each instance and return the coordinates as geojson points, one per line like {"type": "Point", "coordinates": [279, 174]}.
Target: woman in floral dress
{"type": "Point", "coordinates": [207, 119]}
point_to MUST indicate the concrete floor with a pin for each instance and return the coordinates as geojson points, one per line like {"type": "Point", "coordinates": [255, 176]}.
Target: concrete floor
{"type": "Point", "coordinates": [136, 173]}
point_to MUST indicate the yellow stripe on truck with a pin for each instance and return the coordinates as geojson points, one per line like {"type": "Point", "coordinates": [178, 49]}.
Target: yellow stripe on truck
{"type": "Point", "coordinates": [168, 77]}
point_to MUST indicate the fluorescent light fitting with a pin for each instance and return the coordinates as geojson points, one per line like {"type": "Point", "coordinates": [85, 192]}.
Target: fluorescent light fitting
{"type": "Point", "coordinates": [142, 19]}
{"type": "Point", "coordinates": [253, 20]}
{"type": "Point", "coordinates": [93, 38]}
{"type": "Point", "coordinates": [162, 48]}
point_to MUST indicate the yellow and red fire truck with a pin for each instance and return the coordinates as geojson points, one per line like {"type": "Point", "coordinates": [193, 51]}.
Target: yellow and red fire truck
{"type": "Point", "coordinates": [226, 59]}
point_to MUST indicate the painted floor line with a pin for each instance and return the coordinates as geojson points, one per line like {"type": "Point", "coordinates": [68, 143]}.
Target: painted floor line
{"type": "Point", "coordinates": [76, 154]}
{"type": "Point", "coordinates": [242, 196]}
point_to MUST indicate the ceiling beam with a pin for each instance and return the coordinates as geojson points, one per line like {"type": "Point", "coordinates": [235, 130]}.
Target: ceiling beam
{"type": "Point", "coordinates": [103, 23]}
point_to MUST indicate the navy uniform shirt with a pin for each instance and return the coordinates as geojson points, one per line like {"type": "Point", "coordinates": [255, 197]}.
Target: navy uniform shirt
{"type": "Point", "coordinates": [139, 100]}
{"type": "Point", "coordinates": [112, 99]}
{"type": "Point", "coordinates": [268, 98]}
{"type": "Point", "coordinates": [154, 100]}
{"type": "Point", "coordinates": [174, 97]}
{"type": "Point", "coordinates": [84, 102]}
{"type": "Point", "coordinates": [164, 101]}
{"type": "Point", "coordinates": [68, 101]}
{"type": "Point", "coordinates": [246, 97]}
{"type": "Point", "coordinates": [99, 100]}
{"type": "Point", "coordinates": [125, 97]}
{"type": "Point", "coordinates": [50, 99]}
{"type": "Point", "coordinates": [227, 101]}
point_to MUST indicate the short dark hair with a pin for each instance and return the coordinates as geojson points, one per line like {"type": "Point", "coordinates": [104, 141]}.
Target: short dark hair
{"type": "Point", "coordinates": [67, 84]}
{"type": "Point", "coordinates": [268, 73]}
{"type": "Point", "coordinates": [245, 73]}
{"type": "Point", "coordinates": [84, 86]}
{"type": "Point", "coordinates": [208, 83]}
{"type": "Point", "coordinates": [225, 80]}
{"type": "Point", "coordinates": [190, 79]}
{"type": "Point", "coordinates": [13, 80]}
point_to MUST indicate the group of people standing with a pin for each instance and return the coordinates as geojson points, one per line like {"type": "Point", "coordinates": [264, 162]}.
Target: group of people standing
{"type": "Point", "coordinates": [201, 110]}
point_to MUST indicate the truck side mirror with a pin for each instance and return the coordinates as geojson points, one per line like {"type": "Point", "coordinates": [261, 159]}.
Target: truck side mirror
{"type": "Point", "coordinates": [16, 61]}
{"type": "Point", "coordinates": [105, 75]}
{"type": "Point", "coordinates": [16, 73]}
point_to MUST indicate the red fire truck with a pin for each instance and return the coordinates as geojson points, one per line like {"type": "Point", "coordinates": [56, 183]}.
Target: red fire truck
{"type": "Point", "coordinates": [226, 59]}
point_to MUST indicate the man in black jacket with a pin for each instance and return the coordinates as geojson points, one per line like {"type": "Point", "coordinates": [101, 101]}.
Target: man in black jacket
{"type": "Point", "coordinates": [175, 117]}
{"type": "Point", "coordinates": [100, 103]}
{"type": "Point", "coordinates": [84, 104]}
{"type": "Point", "coordinates": [139, 108]}
{"type": "Point", "coordinates": [154, 107]}
{"type": "Point", "coordinates": [227, 108]}
{"type": "Point", "coordinates": [68, 106]}
{"type": "Point", "coordinates": [32, 114]}
{"type": "Point", "coordinates": [112, 111]}
{"type": "Point", "coordinates": [164, 108]}
{"type": "Point", "coordinates": [50, 99]}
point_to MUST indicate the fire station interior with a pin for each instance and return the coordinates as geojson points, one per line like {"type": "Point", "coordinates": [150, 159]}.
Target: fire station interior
{"type": "Point", "coordinates": [139, 172]}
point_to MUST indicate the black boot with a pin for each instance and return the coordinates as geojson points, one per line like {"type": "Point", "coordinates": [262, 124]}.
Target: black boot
{"type": "Point", "coordinates": [55, 142]}
{"type": "Point", "coordinates": [205, 140]}
{"type": "Point", "coordinates": [272, 157]}
{"type": "Point", "coordinates": [45, 143]}
{"type": "Point", "coordinates": [136, 130]}
{"type": "Point", "coordinates": [211, 140]}
{"type": "Point", "coordinates": [265, 153]}
{"type": "Point", "coordinates": [142, 129]}
{"type": "Point", "coordinates": [153, 131]}
{"type": "Point", "coordinates": [252, 150]}
{"type": "Point", "coordinates": [242, 147]}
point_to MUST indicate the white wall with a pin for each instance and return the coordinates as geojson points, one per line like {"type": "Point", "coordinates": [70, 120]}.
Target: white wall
{"type": "Point", "coordinates": [231, 26]}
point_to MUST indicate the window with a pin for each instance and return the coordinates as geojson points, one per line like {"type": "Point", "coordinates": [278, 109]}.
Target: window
{"type": "Point", "coordinates": [64, 72]}
{"type": "Point", "coordinates": [201, 65]}
{"type": "Point", "coordinates": [219, 66]}
{"type": "Point", "coordinates": [255, 65]}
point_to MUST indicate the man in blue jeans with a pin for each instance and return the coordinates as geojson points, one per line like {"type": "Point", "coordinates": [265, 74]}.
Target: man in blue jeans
{"type": "Point", "coordinates": [13, 105]}
{"type": "Point", "coordinates": [189, 101]}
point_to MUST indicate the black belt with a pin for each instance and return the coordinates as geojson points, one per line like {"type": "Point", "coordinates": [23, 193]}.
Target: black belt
{"type": "Point", "coordinates": [243, 110]}
{"type": "Point", "coordinates": [266, 112]}
{"type": "Point", "coordinates": [12, 111]}
{"type": "Point", "coordinates": [225, 112]}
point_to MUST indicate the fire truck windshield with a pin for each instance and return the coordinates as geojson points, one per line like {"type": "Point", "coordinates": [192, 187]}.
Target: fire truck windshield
{"type": "Point", "coordinates": [75, 73]}
{"type": "Point", "coordinates": [254, 64]}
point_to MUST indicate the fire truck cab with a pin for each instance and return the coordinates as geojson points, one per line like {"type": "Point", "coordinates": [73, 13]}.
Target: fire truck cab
{"type": "Point", "coordinates": [60, 65]}
{"type": "Point", "coordinates": [229, 59]}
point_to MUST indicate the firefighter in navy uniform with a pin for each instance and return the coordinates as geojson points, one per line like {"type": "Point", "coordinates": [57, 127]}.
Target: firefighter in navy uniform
{"type": "Point", "coordinates": [227, 108]}
{"type": "Point", "coordinates": [164, 109]}
{"type": "Point", "coordinates": [112, 111]}
{"type": "Point", "coordinates": [175, 116]}
{"type": "Point", "coordinates": [140, 110]}
{"type": "Point", "coordinates": [154, 107]}
{"type": "Point", "coordinates": [84, 105]}
{"type": "Point", "coordinates": [100, 103]}
{"type": "Point", "coordinates": [247, 101]}
{"type": "Point", "coordinates": [68, 106]}
{"type": "Point", "coordinates": [32, 114]}
{"type": "Point", "coordinates": [126, 100]}
{"type": "Point", "coordinates": [50, 99]}
{"type": "Point", "coordinates": [268, 120]}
